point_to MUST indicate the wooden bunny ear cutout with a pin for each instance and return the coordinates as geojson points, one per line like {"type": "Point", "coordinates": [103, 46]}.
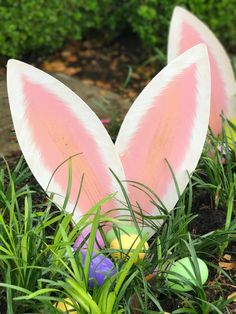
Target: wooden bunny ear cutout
{"type": "Point", "coordinates": [187, 31]}
{"type": "Point", "coordinates": [168, 121]}
{"type": "Point", "coordinates": [52, 124]}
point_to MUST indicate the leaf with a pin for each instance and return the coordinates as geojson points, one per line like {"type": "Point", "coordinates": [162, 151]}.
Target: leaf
{"type": "Point", "coordinates": [232, 295]}
{"type": "Point", "coordinates": [71, 70]}
{"type": "Point", "coordinates": [227, 257]}
{"type": "Point", "coordinates": [71, 58]}
{"type": "Point", "coordinates": [150, 276]}
{"type": "Point", "coordinates": [227, 266]}
{"type": "Point", "coordinates": [54, 66]}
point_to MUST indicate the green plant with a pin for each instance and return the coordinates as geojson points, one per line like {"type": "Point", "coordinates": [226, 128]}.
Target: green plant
{"type": "Point", "coordinates": [12, 183]}
{"type": "Point", "coordinates": [33, 26]}
{"type": "Point", "coordinates": [37, 263]}
{"type": "Point", "coordinates": [42, 26]}
{"type": "Point", "coordinates": [217, 170]}
{"type": "Point", "coordinates": [39, 267]}
{"type": "Point", "coordinates": [150, 19]}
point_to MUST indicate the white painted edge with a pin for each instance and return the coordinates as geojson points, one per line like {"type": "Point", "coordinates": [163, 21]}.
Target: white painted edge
{"type": "Point", "coordinates": [15, 70]}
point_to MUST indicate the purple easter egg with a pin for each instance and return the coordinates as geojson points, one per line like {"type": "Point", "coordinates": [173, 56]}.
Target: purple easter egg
{"type": "Point", "coordinates": [97, 244]}
{"type": "Point", "coordinates": [101, 267]}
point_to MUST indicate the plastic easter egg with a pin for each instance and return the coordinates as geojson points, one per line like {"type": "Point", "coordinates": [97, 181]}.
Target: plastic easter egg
{"type": "Point", "coordinates": [121, 230]}
{"type": "Point", "coordinates": [85, 234]}
{"type": "Point", "coordinates": [66, 306]}
{"type": "Point", "coordinates": [126, 244]}
{"type": "Point", "coordinates": [184, 268]}
{"type": "Point", "coordinates": [101, 267]}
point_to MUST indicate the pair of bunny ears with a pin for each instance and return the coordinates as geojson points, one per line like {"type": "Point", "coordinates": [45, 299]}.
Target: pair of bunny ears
{"type": "Point", "coordinates": [167, 122]}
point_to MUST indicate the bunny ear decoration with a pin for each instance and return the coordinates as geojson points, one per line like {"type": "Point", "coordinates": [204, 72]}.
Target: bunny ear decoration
{"type": "Point", "coordinates": [168, 121]}
{"type": "Point", "coordinates": [53, 124]}
{"type": "Point", "coordinates": [186, 31]}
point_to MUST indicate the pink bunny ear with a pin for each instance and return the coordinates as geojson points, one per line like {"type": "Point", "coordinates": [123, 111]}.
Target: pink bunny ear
{"type": "Point", "coordinates": [168, 121]}
{"type": "Point", "coordinates": [53, 124]}
{"type": "Point", "coordinates": [185, 32]}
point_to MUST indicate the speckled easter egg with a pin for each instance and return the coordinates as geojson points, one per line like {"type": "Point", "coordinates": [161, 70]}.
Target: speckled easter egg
{"type": "Point", "coordinates": [127, 243]}
{"type": "Point", "coordinates": [184, 268]}
{"type": "Point", "coordinates": [66, 306]}
{"type": "Point", "coordinates": [121, 230]}
{"type": "Point", "coordinates": [101, 267]}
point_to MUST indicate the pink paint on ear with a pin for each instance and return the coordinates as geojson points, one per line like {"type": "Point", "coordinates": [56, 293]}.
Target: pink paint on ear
{"type": "Point", "coordinates": [163, 133]}
{"type": "Point", "coordinates": [58, 134]}
{"type": "Point", "coordinates": [189, 38]}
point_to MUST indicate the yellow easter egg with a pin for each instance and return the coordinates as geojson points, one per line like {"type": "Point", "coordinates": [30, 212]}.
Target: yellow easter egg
{"type": "Point", "coordinates": [230, 133]}
{"type": "Point", "coordinates": [66, 306]}
{"type": "Point", "coordinates": [121, 230]}
{"type": "Point", "coordinates": [126, 245]}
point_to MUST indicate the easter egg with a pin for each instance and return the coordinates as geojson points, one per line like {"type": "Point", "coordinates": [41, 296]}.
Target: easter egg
{"type": "Point", "coordinates": [66, 306]}
{"type": "Point", "coordinates": [127, 243]}
{"type": "Point", "coordinates": [184, 268]}
{"type": "Point", "coordinates": [101, 267]}
{"type": "Point", "coordinates": [121, 230]}
{"type": "Point", "coordinates": [80, 241]}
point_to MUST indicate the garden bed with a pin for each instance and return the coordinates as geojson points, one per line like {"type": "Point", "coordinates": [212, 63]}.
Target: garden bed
{"type": "Point", "coordinates": [202, 225]}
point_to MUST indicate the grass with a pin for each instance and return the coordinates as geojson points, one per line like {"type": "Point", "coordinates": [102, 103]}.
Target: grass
{"type": "Point", "coordinates": [39, 267]}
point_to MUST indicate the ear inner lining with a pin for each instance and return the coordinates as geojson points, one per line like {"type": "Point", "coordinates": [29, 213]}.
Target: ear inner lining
{"type": "Point", "coordinates": [189, 37]}
{"type": "Point", "coordinates": [166, 137]}
{"type": "Point", "coordinates": [53, 126]}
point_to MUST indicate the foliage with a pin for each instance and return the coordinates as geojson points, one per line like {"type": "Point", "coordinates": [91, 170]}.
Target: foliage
{"type": "Point", "coordinates": [42, 26]}
{"type": "Point", "coordinates": [38, 266]}
{"type": "Point", "coordinates": [218, 15]}
{"type": "Point", "coordinates": [37, 26]}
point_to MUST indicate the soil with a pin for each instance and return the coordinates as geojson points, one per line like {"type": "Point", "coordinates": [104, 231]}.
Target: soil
{"type": "Point", "coordinates": [123, 67]}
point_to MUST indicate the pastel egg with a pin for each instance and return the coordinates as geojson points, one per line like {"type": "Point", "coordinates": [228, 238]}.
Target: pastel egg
{"type": "Point", "coordinates": [85, 234]}
{"type": "Point", "coordinates": [101, 267]}
{"type": "Point", "coordinates": [66, 306]}
{"type": "Point", "coordinates": [126, 244]}
{"type": "Point", "coordinates": [121, 230]}
{"type": "Point", "coordinates": [184, 268]}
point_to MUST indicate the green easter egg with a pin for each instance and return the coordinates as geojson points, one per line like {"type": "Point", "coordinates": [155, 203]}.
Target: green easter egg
{"type": "Point", "coordinates": [184, 268]}
{"type": "Point", "coordinates": [121, 230]}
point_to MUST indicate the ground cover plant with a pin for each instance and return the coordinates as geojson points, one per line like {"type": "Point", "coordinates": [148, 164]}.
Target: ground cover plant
{"type": "Point", "coordinates": [41, 265]}
{"type": "Point", "coordinates": [39, 269]}
{"type": "Point", "coordinates": [38, 27]}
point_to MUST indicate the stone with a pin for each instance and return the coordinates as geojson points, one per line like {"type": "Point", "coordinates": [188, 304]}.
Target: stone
{"type": "Point", "coordinates": [102, 102]}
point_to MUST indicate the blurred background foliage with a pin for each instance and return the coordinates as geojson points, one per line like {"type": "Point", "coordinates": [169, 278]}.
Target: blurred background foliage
{"type": "Point", "coordinates": [39, 27]}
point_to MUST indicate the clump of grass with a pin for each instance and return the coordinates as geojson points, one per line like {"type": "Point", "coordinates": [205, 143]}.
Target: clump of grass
{"type": "Point", "coordinates": [39, 266]}
{"type": "Point", "coordinates": [216, 172]}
